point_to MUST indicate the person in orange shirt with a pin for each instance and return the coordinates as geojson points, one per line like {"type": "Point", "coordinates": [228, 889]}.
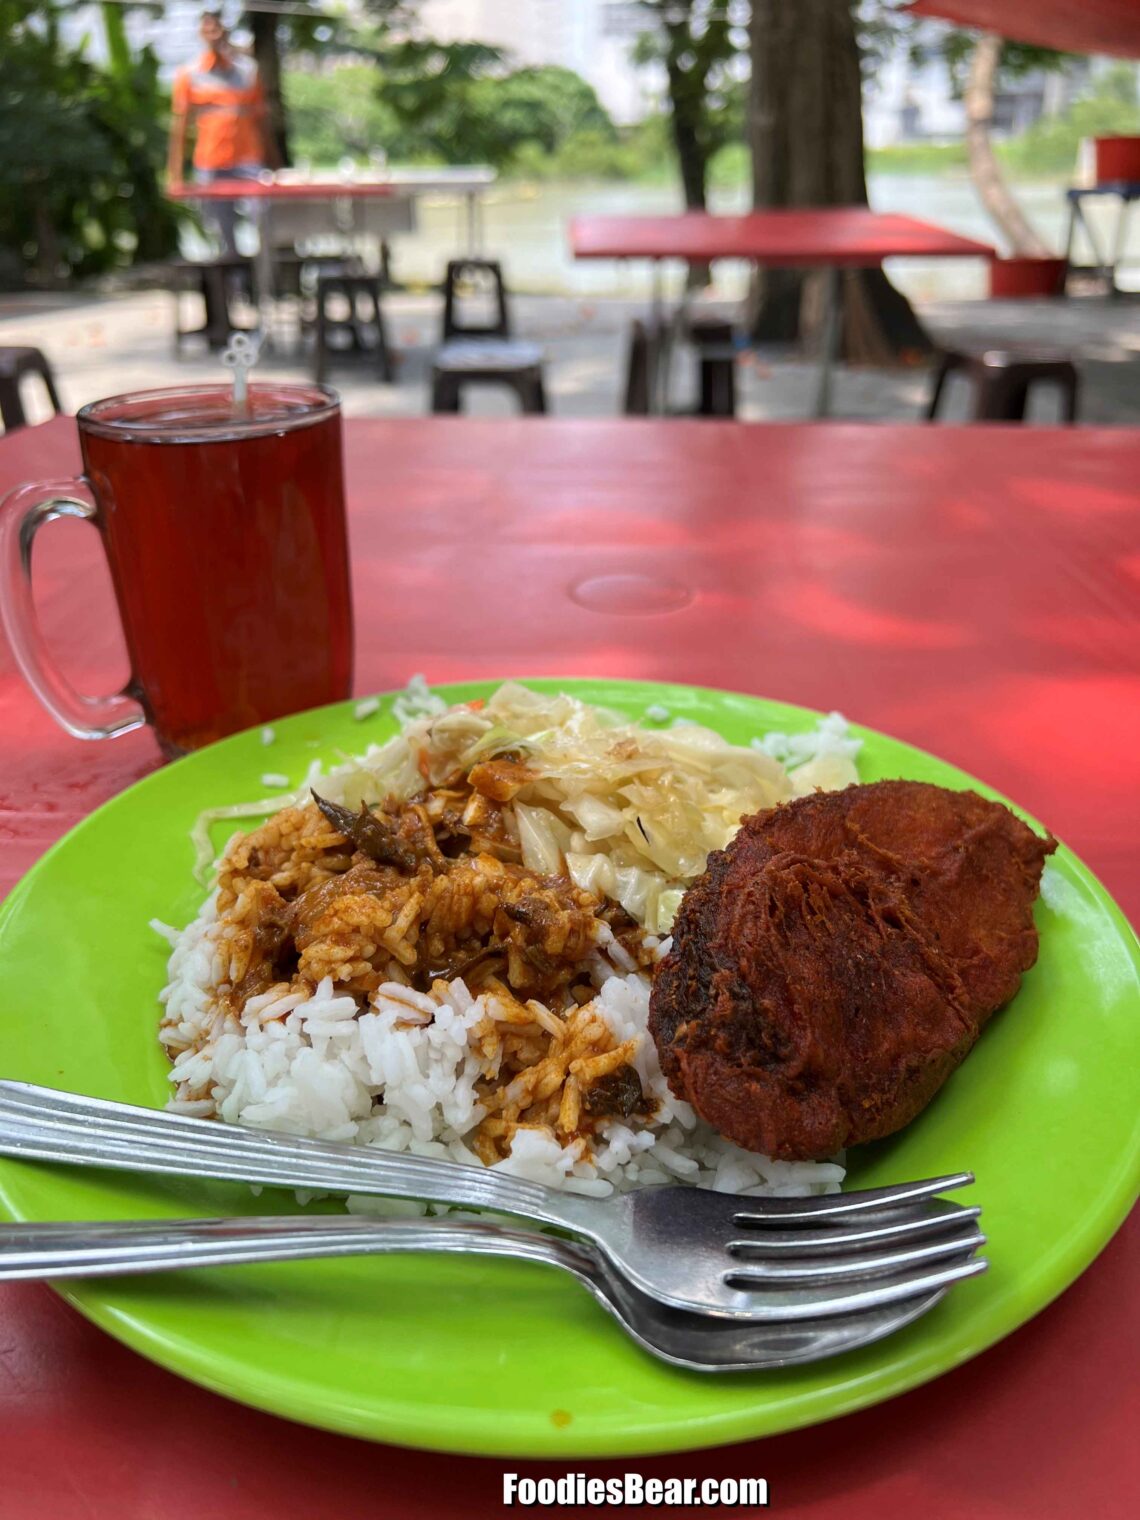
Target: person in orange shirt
{"type": "Point", "coordinates": [221, 96]}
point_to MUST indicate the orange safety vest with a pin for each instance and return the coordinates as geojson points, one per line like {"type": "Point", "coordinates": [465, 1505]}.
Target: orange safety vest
{"type": "Point", "coordinates": [227, 104]}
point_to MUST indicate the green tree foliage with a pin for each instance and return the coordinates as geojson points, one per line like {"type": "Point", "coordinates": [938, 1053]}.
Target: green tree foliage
{"type": "Point", "coordinates": [337, 113]}
{"type": "Point", "coordinates": [433, 91]}
{"type": "Point", "coordinates": [465, 102]}
{"type": "Point", "coordinates": [526, 121]}
{"type": "Point", "coordinates": [81, 148]}
{"type": "Point", "coordinates": [458, 102]}
{"type": "Point", "coordinates": [461, 101]}
{"type": "Point", "coordinates": [549, 106]}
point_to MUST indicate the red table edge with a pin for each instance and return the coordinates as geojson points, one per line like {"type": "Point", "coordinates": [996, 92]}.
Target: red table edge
{"type": "Point", "coordinates": [252, 189]}
{"type": "Point", "coordinates": [953, 244]}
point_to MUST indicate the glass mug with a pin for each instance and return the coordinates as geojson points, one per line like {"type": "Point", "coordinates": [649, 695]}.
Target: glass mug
{"type": "Point", "coordinates": [224, 527]}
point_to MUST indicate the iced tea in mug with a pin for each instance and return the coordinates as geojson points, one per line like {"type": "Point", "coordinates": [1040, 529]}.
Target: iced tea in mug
{"type": "Point", "coordinates": [224, 527]}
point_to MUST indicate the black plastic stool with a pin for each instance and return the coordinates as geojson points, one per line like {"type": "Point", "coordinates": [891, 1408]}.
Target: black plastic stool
{"type": "Point", "coordinates": [472, 271]}
{"type": "Point", "coordinates": [15, 365]}
{"type": "Point", "coordinates": [488, 361]}
{"type": "Point", "coordinates": [1001, 379]}
{"type": "Point", "coordinates": [716, 365]}
{"type": "Point", "coordinates": [219, 282]}
{"type": "Point", "coordinates": [363, 328]}
{"type": "Point", "coordinates": [643, 359]}
{"type": "Point", "coordinates": [288, 272]}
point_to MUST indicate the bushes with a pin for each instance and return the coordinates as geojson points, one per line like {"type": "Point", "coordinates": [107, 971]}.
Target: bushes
{"type": "Point", "coordinates": [81, 150]}
{"type": "Point", "coordinates": [534, 123]}
{"type": "Point", "coordinates": [337, 115]}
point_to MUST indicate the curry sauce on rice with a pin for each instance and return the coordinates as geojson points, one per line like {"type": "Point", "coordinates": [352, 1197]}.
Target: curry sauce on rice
{"type": "Point", "coordinates": [447, 945]}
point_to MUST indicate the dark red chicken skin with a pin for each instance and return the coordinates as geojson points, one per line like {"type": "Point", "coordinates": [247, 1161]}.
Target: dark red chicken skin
{"type": "Point", "coordinates": [840, 958]}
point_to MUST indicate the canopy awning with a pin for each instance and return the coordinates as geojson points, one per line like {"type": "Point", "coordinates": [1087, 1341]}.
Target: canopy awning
{"type": "Point", "coordinates": [1090, 26]}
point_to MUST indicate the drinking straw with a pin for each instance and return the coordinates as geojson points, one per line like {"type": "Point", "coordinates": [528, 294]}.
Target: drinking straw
{"type": "Point", "coordinates": [240, 355]}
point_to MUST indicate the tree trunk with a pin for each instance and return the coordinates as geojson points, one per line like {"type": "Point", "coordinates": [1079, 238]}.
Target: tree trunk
{"type": "Point", "coordinates": [263, 24]}
{"type": "Point", "coordinates": [993, 192]}
{"type": "Point", "coordinates": [686, 102]}
{"type": "Point", "coordinates": [50, 262]}
{"type": "Point", "coordinates": [806, 131]}
{"type": "Point", "coordinates": [691, 155]}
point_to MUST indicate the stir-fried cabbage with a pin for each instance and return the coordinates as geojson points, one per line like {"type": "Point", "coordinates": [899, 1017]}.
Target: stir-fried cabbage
{"type": "Point", "coordinates": [627, 812]}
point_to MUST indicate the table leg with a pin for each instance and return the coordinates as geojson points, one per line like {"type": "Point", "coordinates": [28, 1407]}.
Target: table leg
{"type": "Point", "coordinates": [829, 342]}
{"type": "Point", "coordinates": [263, 283]}
{"type": "Point", "coordinates": [1118, 245]}
{"type": "Point", "coordinates": [660, 344]}
{"type": "Point", "coordinates": [657, 296]}
{"type": "Point", "coordinates": [1069, 237]}
{"type": "Point", "coordinates": [474, 239]}
{"type": "Point", "coordinates": [1101, 265]}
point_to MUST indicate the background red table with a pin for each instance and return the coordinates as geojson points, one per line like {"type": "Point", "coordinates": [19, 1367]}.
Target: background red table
{"type": "Point", "coordinates": [972, 592]}
{"type": "Point", "coordinates": [838, 236]}
{"type": "Point", "coordinates": [829, 237]}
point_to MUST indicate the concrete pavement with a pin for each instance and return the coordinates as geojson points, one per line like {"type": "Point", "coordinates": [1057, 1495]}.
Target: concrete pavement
{"type": "Point", "coordinates": [100, 345]}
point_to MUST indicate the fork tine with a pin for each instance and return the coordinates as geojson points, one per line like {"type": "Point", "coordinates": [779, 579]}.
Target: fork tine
{"type": "Point", "coordinates": [861, 1232]}
{"type": "Point", "coordinates": [808, 1303]}
{"type": "Point", "coordinates": [783, 1211]}
{"type": "Point", "coordinates": [853, 1268]}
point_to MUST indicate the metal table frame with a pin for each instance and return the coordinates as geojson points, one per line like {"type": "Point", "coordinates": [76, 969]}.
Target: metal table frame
{"type": "Point", "coordinates": [353, 211]}
{"type": "Point", "coordinates": [640, 243]}
{"type": "Point", "coordinates": [1108, 261]}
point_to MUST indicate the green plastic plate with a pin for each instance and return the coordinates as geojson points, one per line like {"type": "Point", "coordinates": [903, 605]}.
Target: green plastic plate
{"type": "Point", "coordinates": [508, 1359]}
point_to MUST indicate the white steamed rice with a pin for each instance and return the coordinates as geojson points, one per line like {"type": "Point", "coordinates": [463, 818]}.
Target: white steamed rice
{"type": "Point", "coordinates": [403, 1077]}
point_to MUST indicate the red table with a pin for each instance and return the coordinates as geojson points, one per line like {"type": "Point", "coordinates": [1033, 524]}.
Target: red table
{"type": "Point", "coordinates": [830, 237]}
{"type": "Point", "coordinates": [256, 190]}
{"type": "Point", "coordinates": [836, 236]}
{"type": "Point", "coordinates": [972, 591]}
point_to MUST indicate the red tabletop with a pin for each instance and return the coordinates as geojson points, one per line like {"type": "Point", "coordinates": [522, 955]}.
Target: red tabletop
{"type": "Point", "coordinates": [832, 235]}
{"type": "Point", "coordinates": [252, 189]}
{"type": "Point", "coordinates": [972, 591]}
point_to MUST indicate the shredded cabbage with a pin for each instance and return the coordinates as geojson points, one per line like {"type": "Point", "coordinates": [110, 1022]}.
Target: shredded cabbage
{"type": "Point", "coordinates": [627, 812]}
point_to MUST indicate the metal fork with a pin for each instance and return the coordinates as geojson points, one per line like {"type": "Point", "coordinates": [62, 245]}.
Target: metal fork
{"type": "Point", "coordinates": [749, 1259]}
{"type": "Point", "coordinates": [698, 1342]}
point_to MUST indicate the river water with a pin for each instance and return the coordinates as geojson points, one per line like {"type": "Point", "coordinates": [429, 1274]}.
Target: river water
{"type": "Point", "coordinates": [525, 226]}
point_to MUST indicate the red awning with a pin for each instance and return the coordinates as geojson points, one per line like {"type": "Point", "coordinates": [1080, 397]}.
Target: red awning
{"type": "Point", "coordinates": [1090, 26]}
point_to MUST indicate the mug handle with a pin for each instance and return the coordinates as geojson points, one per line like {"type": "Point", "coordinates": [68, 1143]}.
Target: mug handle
{"type": "Point", "coordinates": [22, 514]}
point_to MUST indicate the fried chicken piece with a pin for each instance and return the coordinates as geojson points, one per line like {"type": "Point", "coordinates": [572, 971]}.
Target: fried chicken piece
{"type": "Point", "coordinates": [840, 958]}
